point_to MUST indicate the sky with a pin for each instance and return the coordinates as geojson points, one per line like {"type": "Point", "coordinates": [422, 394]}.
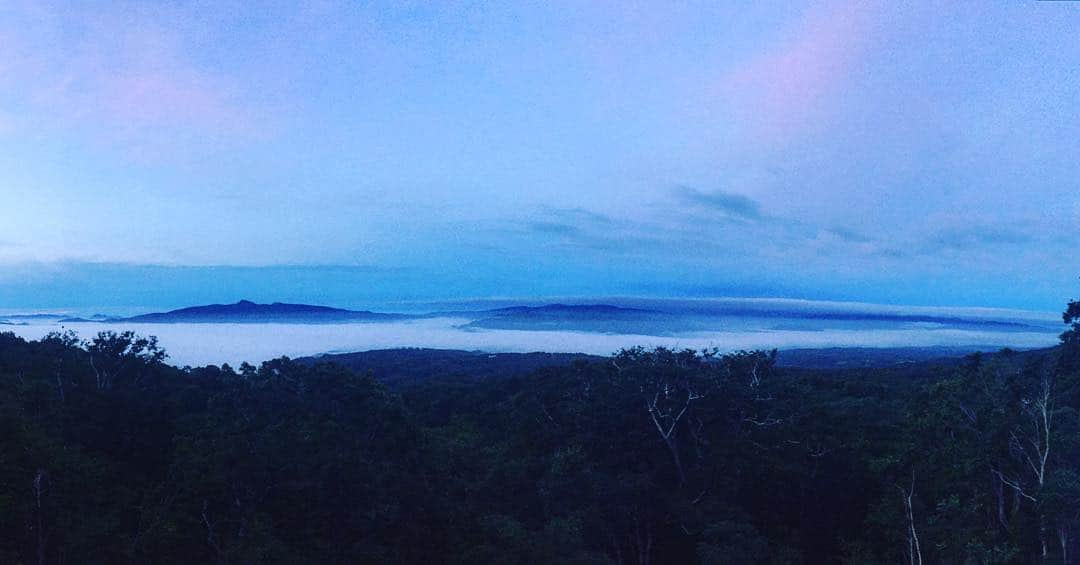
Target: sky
{"type": "Point", "coordinates": [356, 153]}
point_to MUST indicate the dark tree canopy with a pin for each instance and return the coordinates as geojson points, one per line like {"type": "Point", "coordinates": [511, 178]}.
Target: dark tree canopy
{"type": "Point", "coordinates": [109, 455]}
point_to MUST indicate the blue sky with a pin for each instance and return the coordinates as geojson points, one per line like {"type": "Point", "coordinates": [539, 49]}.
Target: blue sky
{"type": "Point", "coordinates": [169, 153]}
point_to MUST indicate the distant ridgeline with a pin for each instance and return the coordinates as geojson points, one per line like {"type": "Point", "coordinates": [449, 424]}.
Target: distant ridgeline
{"type": "Point", "coordinates": [246, 311]}
{"type": "Point", "coordinates": [637, 317]}
{"type": "Point", "coordinates": [109, 455]}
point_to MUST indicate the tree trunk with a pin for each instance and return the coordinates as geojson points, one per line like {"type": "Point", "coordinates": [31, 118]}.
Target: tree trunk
{"type": "Point", "coordinates": [674, 449]}
{"type": "Point", "coordinates": [1063, 539]}
{"type": "Point", "coordinates": [1042, 535]}
{"type": "Point", "coordinates": [38, 489]}
{"type": "Point", "coordinates": [914, 550]}
{"type": "Point", "coordinates": [999, 491]}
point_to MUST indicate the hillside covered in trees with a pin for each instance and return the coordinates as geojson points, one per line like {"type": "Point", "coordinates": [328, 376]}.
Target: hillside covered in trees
{"type": "Point", "coordinates": [110, 455]}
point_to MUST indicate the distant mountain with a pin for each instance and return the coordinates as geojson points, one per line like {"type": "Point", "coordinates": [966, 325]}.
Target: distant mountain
{"type": "Point", "coordinates": [627, 317]}
{"type": "Point", "coordinates": [566, 310]}
{"type": "Point", "coordinates": [602, 318]}
{"type": "Point", "coordinates": [246, 311]}
{"type": "Point", "coordinates": [619, 319]}
{"type": "Point", "coordinates": [26, 319]}
{"type": "Point", "coordinates": [571, 310]}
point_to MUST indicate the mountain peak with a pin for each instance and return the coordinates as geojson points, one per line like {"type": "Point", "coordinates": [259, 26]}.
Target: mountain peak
{"type": "Point", "coordinates": [251, 312]}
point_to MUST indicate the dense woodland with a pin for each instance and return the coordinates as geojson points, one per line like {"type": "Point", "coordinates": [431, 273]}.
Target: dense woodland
{"type": "Point", "coordinates": [110, 455]}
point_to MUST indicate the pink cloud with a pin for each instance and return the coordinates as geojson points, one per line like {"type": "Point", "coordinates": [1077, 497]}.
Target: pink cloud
{"type": "Point", "coordinates": [120, 78]}
{"type": "Point", "coordinates": [169, 98]}
{"type": "Point", "coordinates": [778, 93]}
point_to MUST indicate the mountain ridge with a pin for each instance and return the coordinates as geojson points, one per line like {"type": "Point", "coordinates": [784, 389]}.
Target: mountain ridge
{"type": "Point", "coordinates": [246, 311]}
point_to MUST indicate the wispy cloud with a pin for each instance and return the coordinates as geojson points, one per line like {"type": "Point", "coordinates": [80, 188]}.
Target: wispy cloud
{"type": "Point", "coordinates": [554, 228]}
{"type": "Point", "coordinates": [577, 228]}
{"type": "Point", "coordinates": [577, 216]}
{"type": "Point", "coordinates": [779, 91]}
{"type": "Point", "coordinates": [572, 224]}
{"type": "Point", "coordinates": [683, 227]}
{"type": "Point", "coordinates": [977, 236]}
{"type": "Point", "coordinates": [728, 203]}
{"type": "Point", "coordinates": [848, 235]}
{"type": "Point", "coordinates": [118, 76]}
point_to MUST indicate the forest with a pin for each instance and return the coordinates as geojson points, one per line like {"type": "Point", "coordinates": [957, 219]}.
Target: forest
{"type": "Point", "coordinates": [108, 454]}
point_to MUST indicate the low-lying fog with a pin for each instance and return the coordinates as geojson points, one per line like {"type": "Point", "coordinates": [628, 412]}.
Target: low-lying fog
{"type": "Point", "coordinates": [202, 344]}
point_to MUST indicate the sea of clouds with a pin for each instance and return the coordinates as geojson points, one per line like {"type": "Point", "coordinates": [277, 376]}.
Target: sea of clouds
{"type": "Point", "coordinates": [202, 344]}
